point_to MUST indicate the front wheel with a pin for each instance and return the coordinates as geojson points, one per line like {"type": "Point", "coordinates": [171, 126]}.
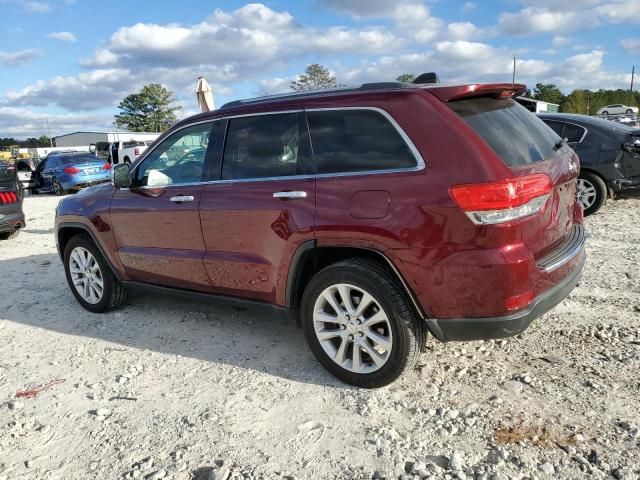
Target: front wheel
{"type": "Point", "coordinates": [57, 187]}
{"type": "Point", "coordinates": [629, 112]}
{"type": "Point", "coordinates": [591, 192]}
{"type": "Point", "coordinates": [605, 113]}
{"type": "Point", "coordinates": [91, 280]}
{"type": "Point", "coordinates": [359, 323]}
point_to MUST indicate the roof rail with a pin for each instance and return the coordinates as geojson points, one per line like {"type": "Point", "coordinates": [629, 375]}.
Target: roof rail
{"type": "Point", "coordinates": [365, 87]}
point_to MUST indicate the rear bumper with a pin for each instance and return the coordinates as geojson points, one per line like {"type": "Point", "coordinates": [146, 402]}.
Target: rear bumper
{"type": "Point", "coordinates": [11, 217]}
{"type": "Point", "coordinates": [464, 329]}
{"type": "Point", "coordinates": [85, 182]}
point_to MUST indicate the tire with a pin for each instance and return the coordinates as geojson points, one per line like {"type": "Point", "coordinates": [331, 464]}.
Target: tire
{"type": "Point", "coordinates": [9, 235]}
{"type": "Point", "coordinates": [605, 113]}
{"type": "Point", "coordinates": [127, 160]}
{"type": "Point", "coordinates": [629, 112]}
{"type": "Point", "coordinates": [591, 193]}
{"type": "Point", "coordinates": [114, 295]}
{"type": "Point", "coordinates": [57, 187]}
{"type": "Point", "coordinates": [401, 329]}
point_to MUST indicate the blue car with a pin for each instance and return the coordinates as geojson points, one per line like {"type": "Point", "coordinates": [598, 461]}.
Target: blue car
{"type": "Point", "coordinates": [62, 172]}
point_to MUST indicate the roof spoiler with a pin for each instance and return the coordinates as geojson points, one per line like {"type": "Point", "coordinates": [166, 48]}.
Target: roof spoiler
{"type": "Point", "coordinates": [451, 93]}
{"type": "Point", "coordinates": [429, 77]}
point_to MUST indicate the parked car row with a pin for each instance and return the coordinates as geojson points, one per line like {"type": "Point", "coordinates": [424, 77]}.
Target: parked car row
{"type": "Point", "coordinates": [373, 214]}
{"type": "Point", "coordinates": [609, 155]}
{"type": "Point", "coordinates": [11, 197]}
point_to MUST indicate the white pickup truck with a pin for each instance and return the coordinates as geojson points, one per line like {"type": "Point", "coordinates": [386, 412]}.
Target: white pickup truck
{"type": "Point", "coordinates": [132, 150]}
{"type": "Point", "coordinates": [122, 151]}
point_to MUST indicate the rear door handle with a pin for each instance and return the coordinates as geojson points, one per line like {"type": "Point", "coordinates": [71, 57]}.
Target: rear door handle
{"type": "Point", "coordinates": [289, 195]}
{"type": "Point", "coordinates": [182, 198]}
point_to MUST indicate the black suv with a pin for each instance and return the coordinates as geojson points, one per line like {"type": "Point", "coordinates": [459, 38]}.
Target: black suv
{"type": "Point", "coordinates": [609, 155]}
{"type": "Point", "coordinates": [11, 214]}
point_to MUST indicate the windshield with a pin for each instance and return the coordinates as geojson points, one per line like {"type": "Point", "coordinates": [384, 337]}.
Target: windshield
{"type": "Point", "coordinates": [514, 133]}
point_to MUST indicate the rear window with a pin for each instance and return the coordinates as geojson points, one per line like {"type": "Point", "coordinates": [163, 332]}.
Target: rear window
{"type": "Point", "coordinates": [78, 159]}
{"type": "Point", "coordinates": [514, 133]}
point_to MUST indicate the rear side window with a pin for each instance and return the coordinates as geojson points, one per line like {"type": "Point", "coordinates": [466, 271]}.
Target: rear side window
{"type": "Point", "coordinates": [262, 146]}
{"type": "Point", "coordinates": [514, 133]}
{"type": "Point", "coordinates": [573, 133]}
{"type": "Point", "coordinates": [555, 126]}
{"type": "Point", "coordinates": [356, 141]}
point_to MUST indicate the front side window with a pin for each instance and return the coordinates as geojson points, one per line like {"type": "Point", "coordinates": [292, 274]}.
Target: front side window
{"type": "Point", "coordinates": [262, 146]}
{"type": "Point", "coordinates": [346, 141]}
{"type": "Point", "coordinates": [179, 159]}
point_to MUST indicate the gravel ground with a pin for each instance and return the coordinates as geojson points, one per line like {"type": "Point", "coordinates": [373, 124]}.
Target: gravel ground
{"type": "Point", "coordinates": [167, 388]}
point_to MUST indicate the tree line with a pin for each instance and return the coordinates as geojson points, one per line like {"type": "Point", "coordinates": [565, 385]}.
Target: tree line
{"type": "Point", "coordinates": [31, 142]}
{"type": "Point", "coordinates": [583, 101]}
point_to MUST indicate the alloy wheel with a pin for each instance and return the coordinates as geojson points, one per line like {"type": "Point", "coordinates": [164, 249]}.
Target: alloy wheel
{"type": "Point", "coordinates": [86, 275]}
{"type": "Point", "coordinates": [57, 188]}
{"type": "Point", "coordinates": [586, 193]}
{"type": "Point", "coordinates": [352, 328]}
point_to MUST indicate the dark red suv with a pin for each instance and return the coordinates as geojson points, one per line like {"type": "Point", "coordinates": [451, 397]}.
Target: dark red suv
{"type": "Point", "coordinates": [376, 214]}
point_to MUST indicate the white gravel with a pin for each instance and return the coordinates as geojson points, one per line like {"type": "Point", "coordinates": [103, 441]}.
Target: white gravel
{"type": "Point", "coordinates": [167, 388]}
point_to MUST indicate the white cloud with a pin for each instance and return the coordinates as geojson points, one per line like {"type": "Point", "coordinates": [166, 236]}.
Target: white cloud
{"type": "Point", "coordinates": [631, 45]}
{"type": "Point", "coordinates": [12, 59]}
{"type": "Point", "coordinates": [565, 15]}
{"type": "Point", "coordinates": [468, 7]}
{"type": "Point", "coordinates": [63, 36]}
{"type": "Point", "coordinates": [21, 122]}
{"type": "Point", "coordinates": [363, 8]}
{"type": "Point", "coordinates": [37, 7]}
{"type": "Point", "coordinates": [560, 41]}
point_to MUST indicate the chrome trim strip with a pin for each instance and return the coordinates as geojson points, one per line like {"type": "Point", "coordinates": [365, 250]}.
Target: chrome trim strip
{"type": "Point", "coordinates": [564, 252]}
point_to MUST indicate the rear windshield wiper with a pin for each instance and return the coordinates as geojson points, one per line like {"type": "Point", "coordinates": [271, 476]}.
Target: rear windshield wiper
{"type": "Point", "coordinates": [561, 143]}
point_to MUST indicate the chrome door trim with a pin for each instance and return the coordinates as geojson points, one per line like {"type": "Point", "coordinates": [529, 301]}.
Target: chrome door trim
{"type": "Point", "coordinates": [290, 195]}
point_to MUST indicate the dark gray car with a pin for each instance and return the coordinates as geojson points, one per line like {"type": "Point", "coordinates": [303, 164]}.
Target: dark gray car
{"type": "Point", "coordinates": [609, 155]}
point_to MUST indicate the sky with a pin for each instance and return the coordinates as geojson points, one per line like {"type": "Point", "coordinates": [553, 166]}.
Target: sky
{"type": "Point", "coordinates": [73, 61]}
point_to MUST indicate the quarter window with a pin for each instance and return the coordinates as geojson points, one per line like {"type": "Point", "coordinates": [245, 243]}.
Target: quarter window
{"type": "Point", "coordinates": [573, 133]}
{"type": "Point", "coordinates": [356, 141]}
{"type": "Point", "coordinates": [262, 146]}
{"type": "Point", "coordinates": [555, 126]}
{"type": "Point", "coordinates": [179, 159]}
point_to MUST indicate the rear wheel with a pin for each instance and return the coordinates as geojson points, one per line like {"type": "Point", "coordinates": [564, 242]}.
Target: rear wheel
{"type": "Point", "coordinates": [91, 280]}
{"type": "Point", "coordinates": [591, 192]}
{"type": "Point", "coordinates": [57, 187]}
{"type": "Point", "coordinates": [359, 323]}
{"type": "Point", "coordinates": [605, 113]}
{"type": "Point", "coordinates": [629, 112]}
{"type": "Point", "coordinates": [127, 160]}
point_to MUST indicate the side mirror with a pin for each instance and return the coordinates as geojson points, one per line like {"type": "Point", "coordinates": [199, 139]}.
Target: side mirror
{"type": "Point", "coordinates": [92, 148]}
{"type": "Point", "coordinates": [122, 175]}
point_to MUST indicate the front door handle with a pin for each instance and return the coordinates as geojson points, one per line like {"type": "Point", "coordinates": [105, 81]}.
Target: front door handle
{"type": "Point", "coordinates": [182, 198]}
{"type": "Point", "coordinates": [289, 195]}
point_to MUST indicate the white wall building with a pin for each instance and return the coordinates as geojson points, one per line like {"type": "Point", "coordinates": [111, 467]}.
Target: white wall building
{"type": "Point", "coordinates": [81, 139]}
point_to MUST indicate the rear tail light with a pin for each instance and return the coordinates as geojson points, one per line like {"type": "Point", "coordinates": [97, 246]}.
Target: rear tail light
{"type": "Point", "coordinates": [504, 200]}
{"type": "Point", "coordinates": [136, 152]}
{"type": "Point", "coordinates": [106, 166]}
{"type": "Point", "coordinates": [519, 301]}
{"type": "Point", "coordinates": [8, 197]}
{"type": "Point", "coordinates": [71, 170]}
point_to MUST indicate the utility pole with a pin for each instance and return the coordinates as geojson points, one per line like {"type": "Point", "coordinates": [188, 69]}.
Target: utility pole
{"type": "Point", "coordinates": [49, 130]}
{"type": "Point", "coordinates": [633, 71]}
{"type": "Point", "coordinates": [513, 77]}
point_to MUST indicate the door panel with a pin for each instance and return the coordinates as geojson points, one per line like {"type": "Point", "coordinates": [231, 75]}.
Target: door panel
{"type": "Point", "coordinates": [160, 241]}
{"type": "Point", "coordinates": [251, 237]}
{"type": "Point", "coordinates": [156, 223]}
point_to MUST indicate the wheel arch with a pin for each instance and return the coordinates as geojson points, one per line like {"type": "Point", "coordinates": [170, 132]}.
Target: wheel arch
{"type": "Point", "coordinates": [309, 259]}
{"type": "Point", "coordinates": [66, 231]}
